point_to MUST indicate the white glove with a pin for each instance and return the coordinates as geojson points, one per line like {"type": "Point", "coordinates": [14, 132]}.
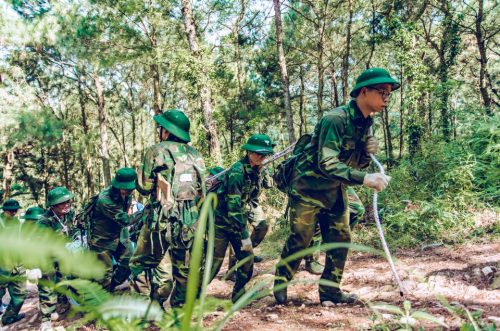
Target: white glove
{"type": "Point", "coordinates": [371, 145]}
{"type": "Point", "coordinates": [376, 181]}
{"type": "Point", "coordinates": [33, 275]}
{"type": "Point", "coordinates": [246, 245]}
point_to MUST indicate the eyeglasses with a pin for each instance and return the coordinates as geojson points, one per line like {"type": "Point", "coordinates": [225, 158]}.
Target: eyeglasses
{"type": "Point", "coordinates": [383, 93]}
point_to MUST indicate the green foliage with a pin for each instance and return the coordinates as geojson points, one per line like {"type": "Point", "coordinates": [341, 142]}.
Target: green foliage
{"type": "Point", "coordinates": [406, 318]}
{"type": "Point", "coordinates": [471, 321]}
{"type": "Point", "coordinates": [34, 247]}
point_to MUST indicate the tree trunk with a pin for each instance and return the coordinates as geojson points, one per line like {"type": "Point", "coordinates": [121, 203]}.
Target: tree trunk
{"type": "Point", "coordinates": [156, 88]}
{"type": "Point", "coordinates": [8, 163]}
{"type": "Point", "coordinates": [86, 169]}
{"type": "Point", "coordinates": [302, 103]}
{"type": "Point", "coordinates": [284, 71]}
{"type": "Point", "coordinates": [103, 131]}
{"type": "Point", "coordinates": [401, 115]}
{"type": "Point", "coordinates": [347, 54]}
{"type": "Point", "coordinates": [483, 60]}
{"type": "Point", "coordinates": [202, 81]}
{"type": "Point", "coordinates": [335, 91]}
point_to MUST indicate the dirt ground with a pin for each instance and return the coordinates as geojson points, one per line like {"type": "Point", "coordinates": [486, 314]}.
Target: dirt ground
{"type": "Point", "coordinates": [467, 276]}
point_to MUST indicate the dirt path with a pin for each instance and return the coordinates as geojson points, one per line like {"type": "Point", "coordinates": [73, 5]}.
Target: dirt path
{"type": "Point", "coordinates": [453, 272]}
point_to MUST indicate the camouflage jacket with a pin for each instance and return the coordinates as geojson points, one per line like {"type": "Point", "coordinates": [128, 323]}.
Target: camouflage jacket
{"type": "Point", "coordinates": [164, 158]}
{"type": "Point", "coordinates": [108, 219]}
{"type": "Point", "coordinates": [63, 225]}
{"type": "Point", "coordinates": [334, 156]}
{"type": "Point", "coordinates": [242, 186]}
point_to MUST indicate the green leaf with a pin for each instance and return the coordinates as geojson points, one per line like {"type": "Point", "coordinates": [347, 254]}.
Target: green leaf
{"type": "Point", "coordinates": [421, 315]}
{"type": "Point", "coordinates": [390, 308]}
{"type": "Point", "coordinates": [130, 308]}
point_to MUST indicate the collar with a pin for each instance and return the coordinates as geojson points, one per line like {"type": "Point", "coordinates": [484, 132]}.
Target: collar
{"type": "Point", "coordinates": [247, 167]}
{"type": "Point", "coordinates": [356, 114]}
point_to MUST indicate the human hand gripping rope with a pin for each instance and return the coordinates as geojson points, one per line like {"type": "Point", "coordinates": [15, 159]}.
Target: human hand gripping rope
{"type": "Point", "coordinates": [381, 233]}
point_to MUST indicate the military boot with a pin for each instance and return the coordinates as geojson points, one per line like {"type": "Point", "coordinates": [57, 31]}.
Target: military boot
{"type": "Point", "coordinates": [280, 294]}
{"type": "Point", "coordinates": [12, 319]}
{"type": "Point", "coordinates": [314, 267]}
{"type": "Point", "coordinates": [340, 298]}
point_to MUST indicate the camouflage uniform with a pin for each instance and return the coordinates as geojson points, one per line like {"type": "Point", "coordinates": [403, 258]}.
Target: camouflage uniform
{"type": "Point", "coordinates": [16, 289]}
{"type": "Point", "coordinates": [109, 236]}
{"type": "Point", "coordinates": [242, 185]}
{"type": "Point", "coordinates": [356, 213]}
{"type": "Point", "coordinates": [255, 216]}
{"type": "Point", "coordinates": [174, 232]}
{"type": "Point", "coordinates": [49, 299]}
{"type": "Point", "coordinates": [318, 193]}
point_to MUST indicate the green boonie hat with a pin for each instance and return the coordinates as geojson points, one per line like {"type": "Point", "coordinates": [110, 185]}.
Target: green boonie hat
{"type": "Point", "coordinates": [58, 195]}
{"type": "Point", "coordinates": [11, 205]}
{"type": "Point", "coordinates": [215, 170]}
{"type": "Point", "coordinates": [259, 143]}
{"type": "Point", "coordinates": [175, 122]}
{"type": "Point", "coordinates": [33, 213]}
{"type": "Point", "coordinates": [124, 179]}
{"type": "Point", "coordinates": [374, 76]}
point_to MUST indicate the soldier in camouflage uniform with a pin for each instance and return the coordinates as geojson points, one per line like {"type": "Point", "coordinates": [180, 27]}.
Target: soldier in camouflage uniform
{"type": "Point", "coordinates": [242, 184]}
{"type": "Point", "coordinates": [60, 218]}
{"type": "Point", "coordinates": [334, 158]}
{"type": "Point", "coordinates": [33, 214]}
{"type": "Point", "coordinates": [356, 213]}
{"type": "Point", "coordinates": [173, 175]}
{"type": "Point", "coordinates": [108, 235]}
{"type": "Point", "coordinates": [17, 289]}
{"type": "Point", "coordinates": [255, 216]}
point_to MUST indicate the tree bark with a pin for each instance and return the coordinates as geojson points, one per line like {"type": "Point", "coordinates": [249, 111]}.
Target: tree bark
{"type": "Point", "coordinates": [86, 169]}
{"type": "Point", "coordinates": [8, 164]}
{"type": "Point", "coordinates": [202, 81]}
{"type": "Point", "coordinates": [483, 60]}
{"type": "Point", "coordinates": [347, 54]}
{"type": "Point", "coordinates": [283, 71]}
{"type": "Point", "coordinates": [302, 103]}
{"type": "Point", "coordinates": [103, 131]}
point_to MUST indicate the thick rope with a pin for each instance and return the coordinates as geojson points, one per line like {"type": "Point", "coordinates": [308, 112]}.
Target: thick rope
{"type": "Point", "coordinates": [381, 233]}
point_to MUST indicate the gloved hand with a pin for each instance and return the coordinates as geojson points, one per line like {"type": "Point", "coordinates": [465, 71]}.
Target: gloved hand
{"type": "Point", "coordinates": [371, 145]}
{"type": "Point", "coordinates": [376, 181]}
{"type": "Point", "coordinates": [246, 245]}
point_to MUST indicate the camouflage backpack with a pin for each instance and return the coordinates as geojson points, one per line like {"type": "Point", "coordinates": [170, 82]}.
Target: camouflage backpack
{"type": "Point", "coordinates": [284, 171]}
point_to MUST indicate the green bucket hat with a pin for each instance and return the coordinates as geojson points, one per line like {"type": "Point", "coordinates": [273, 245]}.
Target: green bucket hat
{"type": "Point", "coordinates": [215, 170]}
{"type": "Point", "coordinates": [33, 213]}
{"type": "Point", "coordinates": [374, 76]}
{"type": "Point", "coordinates": [175, 122]}
{"type": "Point", "coordinates": [124, 179]}
{"type": "Point", "coordinates": [59, 195]}
{"type": "Point", "coordinates": [11, 205]}
{"type": "Point", "coordinates": [259, 143]}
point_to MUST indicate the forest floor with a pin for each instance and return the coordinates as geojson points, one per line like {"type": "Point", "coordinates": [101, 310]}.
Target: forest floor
{"type": "Point", "coordinates": [468, 276]}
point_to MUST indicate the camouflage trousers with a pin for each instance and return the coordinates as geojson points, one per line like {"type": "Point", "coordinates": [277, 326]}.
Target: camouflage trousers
{"type": "Point", "coordinates": [152, 245]}
{"type": "Point", "coordinates": [356, 214]}
{"type": "Point", "coordinates": [334, 226]}
{"type": "Point", "coordinates": [257, 219]}
{"type": "Point", "coordinates": [157, 282]}
{"type": "Point", "coordinates": [16, 289]}
{"type": "Point", "coordinates": [225, 234]}
{"type": "Point", "coordinates": [47, 297]}
{"type": "Point", "coordinates": [116, 273]}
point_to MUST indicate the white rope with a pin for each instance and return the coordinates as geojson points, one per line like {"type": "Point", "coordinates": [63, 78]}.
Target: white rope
{"type": "Point", "coordinates": [381, 233]}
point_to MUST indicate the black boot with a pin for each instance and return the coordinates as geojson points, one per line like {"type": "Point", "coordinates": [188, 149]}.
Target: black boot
{"type": "Point", "coordinates": [13, 319]}
{"type": "Point", "coordinates": [280, 294]}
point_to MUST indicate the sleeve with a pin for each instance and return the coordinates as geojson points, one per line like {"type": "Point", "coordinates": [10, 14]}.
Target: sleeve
{"type": "Point", "coordinates": [145, 176]}
{"type": "Point", "coordinates": [267, 179]}
{"type": "Point", "coordinates": [236, 212]}
{"type": "Point", "coordinates": [111, 211]}
{"type": "Point", "coordinates": [330, 141]}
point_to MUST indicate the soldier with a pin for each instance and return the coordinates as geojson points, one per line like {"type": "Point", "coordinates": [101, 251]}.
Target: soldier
{"type": "Point", "coordinates": [58, 217]}
{"type": "Point", "coordinates": [242, 184]}
{"type": "Point", "coordinates": [339, 149]}
{"type": "Point", "coordinates": [255, 216]}
{"type": "Point", "coordinates": [33, 214]}
{"type": "Point", "coordinates": [356, 213]}
{"type": "Point", "coordinates": [108, 235]}
{"type": "Point", "coordinates": [17, 289]}
{"type": "Point", "coordinates": [173, 175]}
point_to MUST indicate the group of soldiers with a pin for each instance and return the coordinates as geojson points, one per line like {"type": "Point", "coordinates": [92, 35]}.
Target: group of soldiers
{"type": "Point", "coordinates": [132, 245]}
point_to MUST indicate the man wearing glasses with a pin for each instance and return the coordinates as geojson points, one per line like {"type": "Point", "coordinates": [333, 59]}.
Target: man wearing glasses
{"type": "Point", "coordinates": [334, 159]}
{"type": "Point", "coordinates": [242, 183]}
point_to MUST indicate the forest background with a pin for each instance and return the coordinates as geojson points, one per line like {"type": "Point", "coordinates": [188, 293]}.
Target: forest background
{"type": "Point", "coordinates": [81, 80]}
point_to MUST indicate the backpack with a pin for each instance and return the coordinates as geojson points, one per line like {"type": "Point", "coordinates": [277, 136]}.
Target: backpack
{"type": "Point", "coordinates": [181, 183]}
{"type": "Point", "coordinates": [284, 171]}
{"type": "Point", "coordinates": [82, 222]}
